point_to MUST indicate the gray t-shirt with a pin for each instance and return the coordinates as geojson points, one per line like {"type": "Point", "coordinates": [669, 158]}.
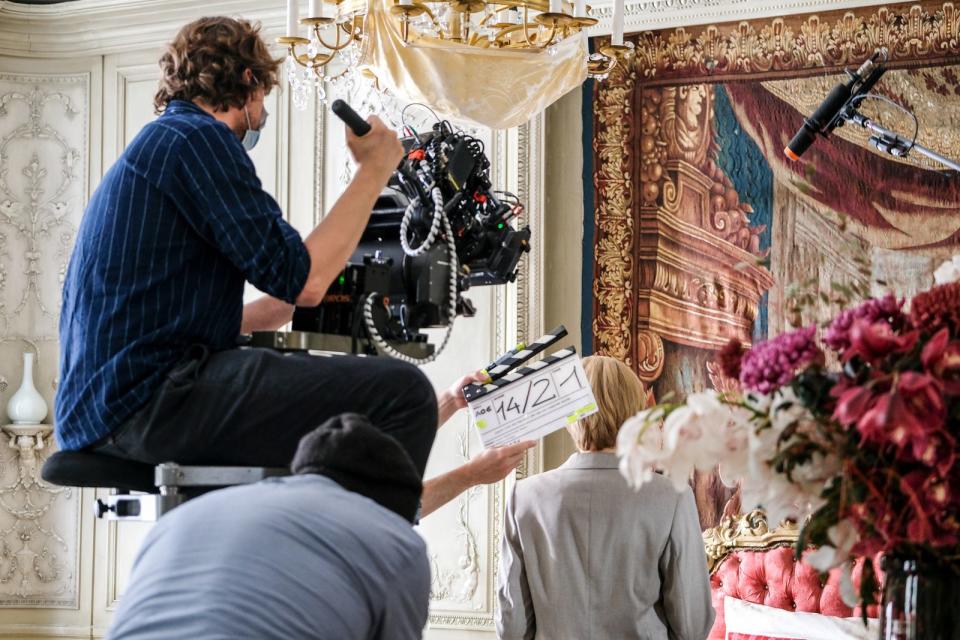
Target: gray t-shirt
{"type": "Point", "coordinates": [287, 558]}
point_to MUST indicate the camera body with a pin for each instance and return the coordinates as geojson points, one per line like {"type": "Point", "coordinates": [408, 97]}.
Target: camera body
{"type": "Point", "coordinates": [437, 229]}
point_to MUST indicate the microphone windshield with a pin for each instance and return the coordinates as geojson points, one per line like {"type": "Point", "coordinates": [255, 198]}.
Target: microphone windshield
{"type": "Point", "coordinates": [819, 122]}
{"type": "Point", "coordinates": [800, 143]}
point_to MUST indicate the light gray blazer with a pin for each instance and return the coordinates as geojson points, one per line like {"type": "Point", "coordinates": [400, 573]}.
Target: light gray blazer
{"type": "Point", "coordinates": [585, 557]}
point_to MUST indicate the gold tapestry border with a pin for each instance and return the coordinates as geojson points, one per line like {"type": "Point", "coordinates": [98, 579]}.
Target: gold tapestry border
{"type": "Point", "coordinates": [915, 33]}
{"type": "Point", "coordinates": [824, 40]}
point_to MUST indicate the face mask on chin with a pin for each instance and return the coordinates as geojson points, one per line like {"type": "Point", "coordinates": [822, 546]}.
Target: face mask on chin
{"type": "Point", "coordinates": [251, 136]}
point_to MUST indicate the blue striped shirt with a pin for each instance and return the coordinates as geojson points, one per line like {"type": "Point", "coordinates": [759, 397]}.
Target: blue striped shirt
{"type": "Point", "coordinates": [165, 244]}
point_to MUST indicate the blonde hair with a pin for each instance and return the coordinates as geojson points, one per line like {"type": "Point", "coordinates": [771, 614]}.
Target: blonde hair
{"type": "Point", "coordinates": [619, 394]}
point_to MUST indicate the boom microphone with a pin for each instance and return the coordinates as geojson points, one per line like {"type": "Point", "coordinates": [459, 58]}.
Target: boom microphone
{"type": "Point", "coordinates": [820, 121]}
{"type": "Point", "coordinates": [829, 115]}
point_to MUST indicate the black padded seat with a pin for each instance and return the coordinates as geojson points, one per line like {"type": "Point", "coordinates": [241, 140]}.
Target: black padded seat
{"type": "Point", "coordinates": [85, 469]}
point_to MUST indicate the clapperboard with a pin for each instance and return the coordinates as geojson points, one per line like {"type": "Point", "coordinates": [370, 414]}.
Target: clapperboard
{"type": "Point", "coordinates": [533, 401]}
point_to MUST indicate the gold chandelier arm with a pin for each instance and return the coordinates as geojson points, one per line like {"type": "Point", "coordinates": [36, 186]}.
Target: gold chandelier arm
{"type": "Point", "coordinates": [608, 58]}
{"type": "Point", "coordinates": [433, 18]}
{"type": "Point", "coordinates": [549, 40]}
{"type": "Point", "coordinates": [335, 47]}
{"type": "Point", "coordinates": [533, 41]}
{"type": "Point", "coordinates": [292, 42]}
{"type": "Point", "coordinates": [526, 31]}
{"type": "Point", "coordinates": [506, 31]}
{"type": "Point", "coordinates": [352, 29]}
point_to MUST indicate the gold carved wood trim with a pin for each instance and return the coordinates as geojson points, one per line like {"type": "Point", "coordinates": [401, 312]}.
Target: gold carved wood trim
{"type": "Point", "coordinates": [745, 532]}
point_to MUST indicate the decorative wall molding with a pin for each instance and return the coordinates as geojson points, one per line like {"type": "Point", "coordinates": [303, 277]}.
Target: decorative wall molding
{"type": "Point", "coordinates": [101, 27]}
{"type": "Point", "coordinates": [44, 151]}
{"type": "Point", "coordinates": [135, 24]}
{"type": "Point", "coordinates": [645, 15]}
{"type": "Point", "coordinates": [38, 565]}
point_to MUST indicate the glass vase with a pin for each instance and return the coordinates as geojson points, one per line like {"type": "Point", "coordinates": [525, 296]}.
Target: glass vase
{"type": "Point", "coordinates": [921, 600]}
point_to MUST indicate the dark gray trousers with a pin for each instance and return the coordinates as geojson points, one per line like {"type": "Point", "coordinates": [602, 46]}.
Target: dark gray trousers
{"type": "Point", "coordinates": [250, 407]}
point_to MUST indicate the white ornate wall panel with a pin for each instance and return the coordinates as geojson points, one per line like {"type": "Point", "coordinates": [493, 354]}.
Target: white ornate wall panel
{"type": "Point", "coordinates": [43, 150]}
{"type": "Point", "coordinates": [49, 158]}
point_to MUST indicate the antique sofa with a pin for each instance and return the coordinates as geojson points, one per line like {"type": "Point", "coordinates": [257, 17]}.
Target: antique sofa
{"type": "Point", "coordinates": [749, 561]}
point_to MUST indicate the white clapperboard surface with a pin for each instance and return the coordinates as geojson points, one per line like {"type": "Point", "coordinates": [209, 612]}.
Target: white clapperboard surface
{"type": "Point", "coordinates": [533, 401]}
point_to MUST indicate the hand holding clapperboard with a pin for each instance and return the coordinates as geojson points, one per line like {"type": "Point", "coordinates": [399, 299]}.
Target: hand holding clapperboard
{"type": "Point", "coordinates": [531, 402]}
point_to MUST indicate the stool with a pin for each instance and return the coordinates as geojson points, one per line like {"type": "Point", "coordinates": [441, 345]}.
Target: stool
{"type": "Point", "coordinates": [163, 486]}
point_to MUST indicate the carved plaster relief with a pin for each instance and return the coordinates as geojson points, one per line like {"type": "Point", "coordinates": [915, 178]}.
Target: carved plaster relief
{"type": "Point", "coordinates": [43, 147]}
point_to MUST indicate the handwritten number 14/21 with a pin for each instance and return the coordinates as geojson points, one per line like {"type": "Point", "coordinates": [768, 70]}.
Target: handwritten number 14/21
{"type": "Point", "coordinates": [539, 390]}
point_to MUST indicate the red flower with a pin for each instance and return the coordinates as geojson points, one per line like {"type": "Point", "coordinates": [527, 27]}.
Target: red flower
{"type": "Point", "coordinates": [928, 497]}
{"type": "Point", "coordinates": [936, 308]}
{"type": "Point", "coordinates": [911, 415]}
{"type": "Point", "coordinates": [874, 341]}
{"type": "Point", "coordinates": [942, 359]}
{"type": "Point", "coordinates": [919, 528]}
{"type": "Point", "coordinates": [852, 403]}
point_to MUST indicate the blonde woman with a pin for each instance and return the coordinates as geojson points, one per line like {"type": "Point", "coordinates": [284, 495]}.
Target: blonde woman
{"type": "Point", "coordinates": [584, 556]}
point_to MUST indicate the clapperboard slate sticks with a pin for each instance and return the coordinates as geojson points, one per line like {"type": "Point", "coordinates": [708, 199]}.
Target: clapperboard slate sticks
{"type": "Point", "coordinates": [532, 401]}
{"type": "Point", "coordinates": [511, 359]}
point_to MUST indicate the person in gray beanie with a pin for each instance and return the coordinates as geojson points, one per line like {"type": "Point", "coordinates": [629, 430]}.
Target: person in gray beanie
{"type": "Point", "coordinates": [362, 459]}
{"type": "Point", "coordinates": [328, 553]}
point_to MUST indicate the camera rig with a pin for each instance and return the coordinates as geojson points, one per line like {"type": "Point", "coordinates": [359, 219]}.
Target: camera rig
{"type": "Point", "coordinates": [437, 229]}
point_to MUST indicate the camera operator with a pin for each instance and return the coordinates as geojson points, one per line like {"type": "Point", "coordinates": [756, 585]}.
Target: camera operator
{"type": "Point", "coordinates": [153, 298]}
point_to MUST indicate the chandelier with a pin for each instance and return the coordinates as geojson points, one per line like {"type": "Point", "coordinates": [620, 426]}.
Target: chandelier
{"type": "Point", "coordinates": [337, 30]}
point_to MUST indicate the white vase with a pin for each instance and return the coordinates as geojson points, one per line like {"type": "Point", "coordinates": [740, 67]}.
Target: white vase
{"type": "Point", "coordinates": [27, 406]}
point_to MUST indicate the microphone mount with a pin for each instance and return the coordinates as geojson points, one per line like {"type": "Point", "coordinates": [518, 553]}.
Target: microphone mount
{"type": "Point", "coordinates": [856, 90]}
{"type": "Point", "coordinates": [893, 143]}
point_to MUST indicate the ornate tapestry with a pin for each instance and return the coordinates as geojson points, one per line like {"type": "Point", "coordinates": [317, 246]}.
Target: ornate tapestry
{"type": "Point", "coordinates": [702, 222]}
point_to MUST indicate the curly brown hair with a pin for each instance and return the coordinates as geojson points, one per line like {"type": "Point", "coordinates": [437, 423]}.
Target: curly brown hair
{"type": "Point", "coordinates": [206, 61]}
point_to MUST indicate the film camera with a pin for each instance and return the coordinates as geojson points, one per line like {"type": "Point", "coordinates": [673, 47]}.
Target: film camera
{"type": "Point", "coordinates": [437, 229]}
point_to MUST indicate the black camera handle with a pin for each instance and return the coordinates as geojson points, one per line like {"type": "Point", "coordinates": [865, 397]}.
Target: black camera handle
{"type": "Point", "coordinates": [351, 118]}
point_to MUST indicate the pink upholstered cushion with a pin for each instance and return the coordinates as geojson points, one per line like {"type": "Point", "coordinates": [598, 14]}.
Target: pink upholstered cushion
{"type": "Point", "coordinates": [773, 578]}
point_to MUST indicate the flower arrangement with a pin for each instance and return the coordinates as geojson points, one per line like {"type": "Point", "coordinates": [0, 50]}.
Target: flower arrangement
{"type": "Point", "coordinates": [861, 454]}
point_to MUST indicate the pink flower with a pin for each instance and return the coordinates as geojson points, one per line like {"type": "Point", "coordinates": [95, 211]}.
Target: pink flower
{"type": "Point", "coordinates": [772, 364]}
{"type": "Point", "coordinates": [875, 341]}
{"type": "Point", "coordinates": [837, 336]}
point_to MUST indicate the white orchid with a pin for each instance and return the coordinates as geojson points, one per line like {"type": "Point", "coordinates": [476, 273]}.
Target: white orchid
{"type": "Point", "coordinates": [842, 536]}
{"type": "Point", "coordinates": [695, 435]}
{"type": "Point", "coordinates": [640, 446]}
